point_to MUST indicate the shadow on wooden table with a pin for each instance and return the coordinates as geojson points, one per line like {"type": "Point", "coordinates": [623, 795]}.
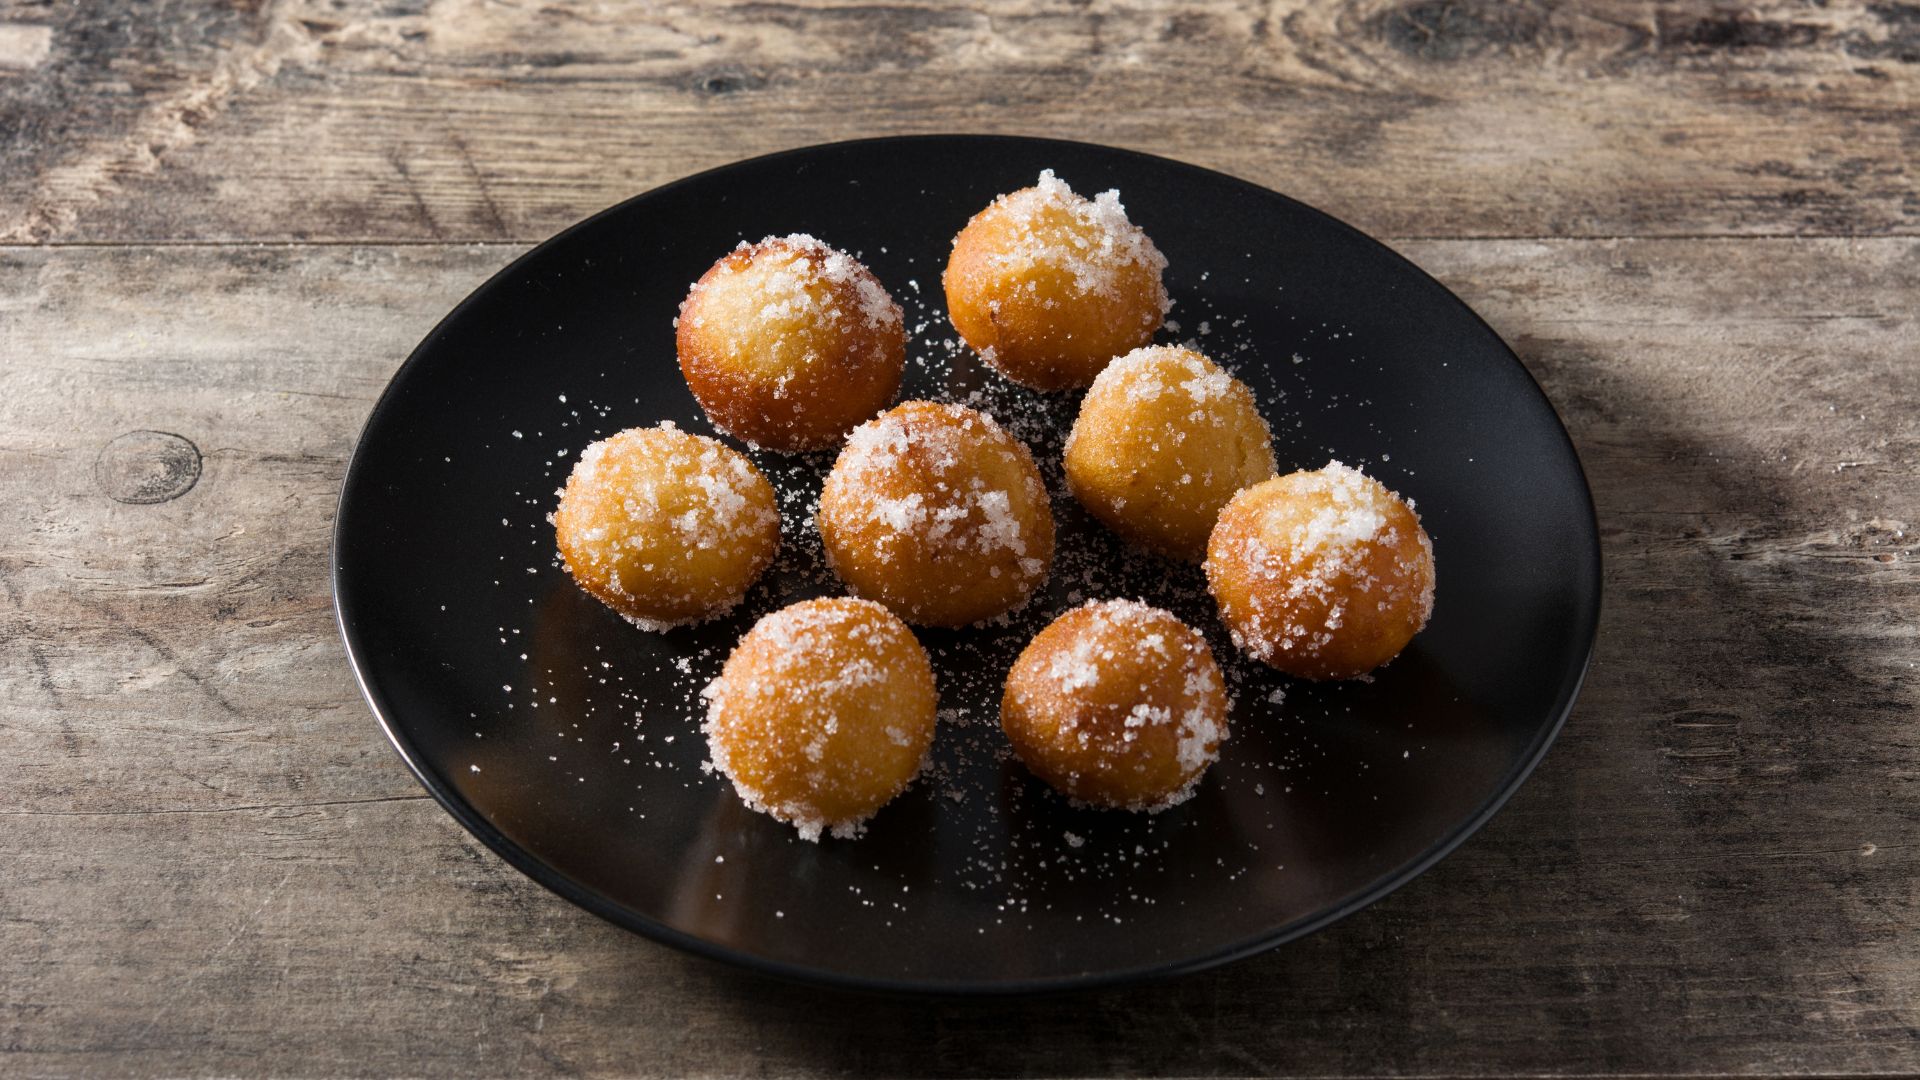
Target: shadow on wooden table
{"type": "Point", "coordinates": [1699, 841]}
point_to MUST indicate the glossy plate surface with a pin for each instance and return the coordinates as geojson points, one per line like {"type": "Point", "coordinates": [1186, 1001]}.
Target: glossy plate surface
{"type": "Point", "coordinates": [569, 743]}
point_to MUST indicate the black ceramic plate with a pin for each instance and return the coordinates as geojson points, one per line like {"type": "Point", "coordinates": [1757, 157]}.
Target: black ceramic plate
{"type": "Point", "coordinates": [568, 741]}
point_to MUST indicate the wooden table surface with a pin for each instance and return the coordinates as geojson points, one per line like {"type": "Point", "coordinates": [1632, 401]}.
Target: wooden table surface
{"type": "Point", "coordinates": [1698, 224]}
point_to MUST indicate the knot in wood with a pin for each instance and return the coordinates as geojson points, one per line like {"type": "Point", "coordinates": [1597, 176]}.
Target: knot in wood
{"type": "Point", "coordinates": [144, 467]}
{"type": "Point", "coordinates": [1458, 29]}
{"type": "Point", "coordinates": [727, 81]}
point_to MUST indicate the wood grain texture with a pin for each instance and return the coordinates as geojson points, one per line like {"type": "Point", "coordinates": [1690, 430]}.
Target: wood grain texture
{"type": "Point", "coordinates": [215, 865]}
{"type": "Point", "coordinates": [403, 120]}
{"type": "Point", "coordinates": [222, 224]}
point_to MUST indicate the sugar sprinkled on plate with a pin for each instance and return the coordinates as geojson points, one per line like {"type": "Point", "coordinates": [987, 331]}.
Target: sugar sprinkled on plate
{"type": "Point", "coordinates": [1022, 873]}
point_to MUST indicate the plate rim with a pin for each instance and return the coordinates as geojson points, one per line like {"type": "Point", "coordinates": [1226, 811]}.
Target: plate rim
{"type": "Point", "coordinates": [620, 915]}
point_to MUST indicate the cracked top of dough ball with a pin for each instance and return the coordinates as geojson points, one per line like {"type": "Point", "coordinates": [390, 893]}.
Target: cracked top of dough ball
{"type": "Point", "coordinates": [1049, 286]}
{"type": "Point", "coordinates": [788, 343]}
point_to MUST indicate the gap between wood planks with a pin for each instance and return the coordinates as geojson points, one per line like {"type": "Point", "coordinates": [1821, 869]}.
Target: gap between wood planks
{"type": "Point", "coordinates": [152, 811]}
{"type": "Point", "coordinates": [1409, 238]}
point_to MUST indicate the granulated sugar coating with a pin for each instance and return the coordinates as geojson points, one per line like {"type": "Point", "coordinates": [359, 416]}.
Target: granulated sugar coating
{"type": "Point", "coordinates": [1324, 575]}
{"type": "Point", "coordinates": [1163, 440]}
{"type": "Point", "coordinates": [937, 512]}
{"type": "Point", "coordinates": [1049, 286]}
{"type": "Point", "coordinates": [665, 527]}
{"type": "Point", "coordinates": [613, 719]}
{"type": "Point", "coordinates": [788, 343]}
{"type": "Point", "coordinates": [823, 713]}
{"type": "Point", "coordinates": [1117, 704]}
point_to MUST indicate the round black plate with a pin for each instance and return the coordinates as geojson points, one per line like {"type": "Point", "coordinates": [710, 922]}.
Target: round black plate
{"type": "Point", "coordinates": [568, 741]}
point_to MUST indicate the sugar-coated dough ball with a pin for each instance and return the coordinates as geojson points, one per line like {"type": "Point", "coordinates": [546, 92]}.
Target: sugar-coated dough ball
{"type": "Point", "coordinates": [788, 343]}
{"type": "Point", "coordinates": [1163, 440]}
{"type": "Point", "coordinates": [823, 713]}
{"type": "Point", "coordinates": [938, 513]}
{"type": "Point", "coordinates": [1049, 286]}
{"type": "Point", "coordinates": [1325, 575]}
{"type": "Point", "coordinates": [666, 527]}
{"type": "Point", "coordinates": [1117, 704]}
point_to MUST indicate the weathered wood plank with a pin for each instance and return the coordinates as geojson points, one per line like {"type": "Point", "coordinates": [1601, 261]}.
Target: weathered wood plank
{"type": "Point", "coordinates": [214, 864]}
{"type": "Point", "coordinates": [485, 120]}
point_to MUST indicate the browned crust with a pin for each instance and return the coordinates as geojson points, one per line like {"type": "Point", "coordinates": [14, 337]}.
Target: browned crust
{"type": "Point", "coordinates": [813, 414]}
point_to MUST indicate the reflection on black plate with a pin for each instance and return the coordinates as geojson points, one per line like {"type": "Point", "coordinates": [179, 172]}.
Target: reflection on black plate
{"type": "Point", "coordinates": [569, 742]}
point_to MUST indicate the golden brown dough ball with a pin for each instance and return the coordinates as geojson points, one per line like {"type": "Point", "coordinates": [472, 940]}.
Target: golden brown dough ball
{"type": "Point", "coordinates": [938, 513]}
{"type": "Point", "coordinates": [1325, 575]}
{"type": "Point", "coordinates": [1049, 286]}
{"type": "Point", "coordinates": [666, 527]}
{"type": "Point", "coordinates": [1117, 704]}
{"type": "Point", "coordinates": [822, 714]}
{"type": "Point", "coordinates": [1163, 440]}
{"type": "Point", "coordinates": [788, 343]}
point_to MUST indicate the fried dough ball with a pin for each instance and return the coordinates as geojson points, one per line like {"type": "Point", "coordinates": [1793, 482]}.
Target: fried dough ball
{"type": "Point", "coordinates": [665, 527]}
{"type": "Point", "coordinates": [1117, 704]}
{"type": "Point", "coordinates": [1325, 575]}
{"type": "Point", "coordinates": [788, 343]}
{"type": "Point", "coordinates": [823, 713]}
{"type": "Point", "coordinates": [1163, 440]}
{"type": "Point", "coordinates": [1049, 286]}
{"type": "Point", "coordinates": [938, 513]}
